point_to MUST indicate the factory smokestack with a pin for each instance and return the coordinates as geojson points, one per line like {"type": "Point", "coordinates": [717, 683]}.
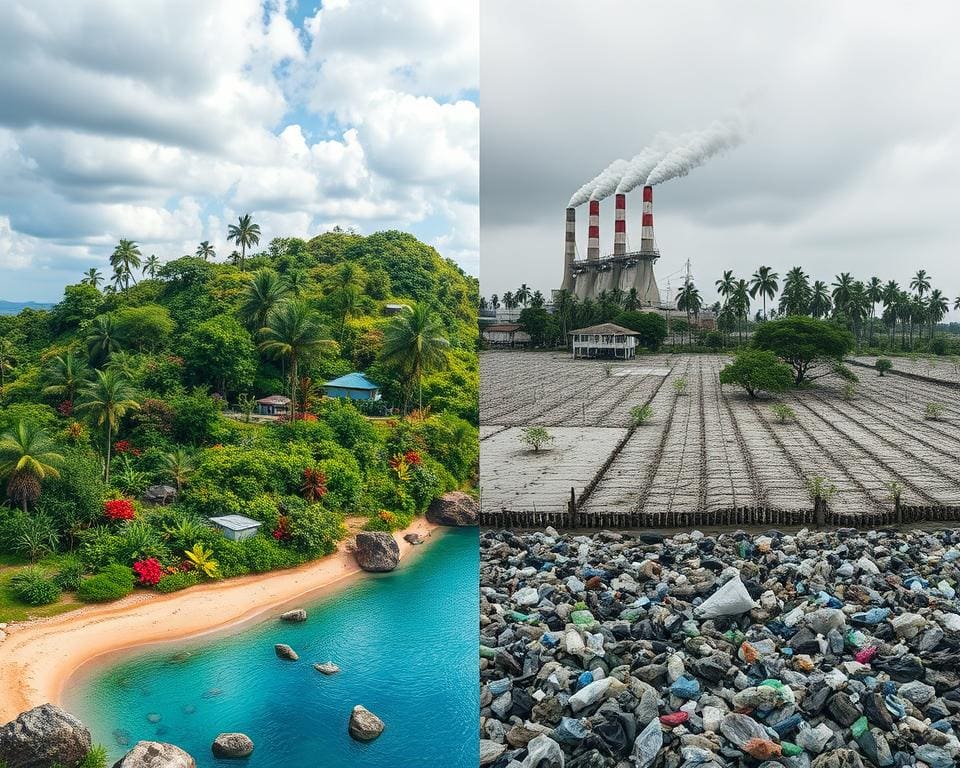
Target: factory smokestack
{"type": "Point", "coordinates": [593, 232]}
{"type": "Point", "coordinates": [647, 243]}
{"type": "Point", "coordinates": [620, 226]}
{"type": "Point", "coordinates": [569, 249]}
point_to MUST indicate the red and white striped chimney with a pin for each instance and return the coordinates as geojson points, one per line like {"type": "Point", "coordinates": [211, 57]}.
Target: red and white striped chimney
{"type": "Point", "coordinates": [569, 249]}
{"type": "Point", "coordinates": [593, 231]}
{"type": "Point", "coordinates": [620, 226]}
{"type": "Point", "coordinates": [647, 244]}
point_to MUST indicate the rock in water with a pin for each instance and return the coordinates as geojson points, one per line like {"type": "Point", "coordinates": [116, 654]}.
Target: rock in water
{"type": "Point", "coordinates": [42, 737]}
{"type": "Point", "coordinates": [455, 508]}
{"type": "Point", "coordinates": [296, 615]}
{"type": "Point", "coordinates": [232, 745]}
{"type": "Point", "coordinates": [153, 754]}
{"type": "Point", "coordinates": [327, 668]}
{"type": "Point", "coordinates": [364, 725]}
{"type": "Point", "coordinates": [376, 551]}
{"type": "Point", "coordinates": [285, 652]}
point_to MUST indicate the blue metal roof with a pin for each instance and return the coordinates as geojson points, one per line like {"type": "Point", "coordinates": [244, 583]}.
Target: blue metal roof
{"type": "Point", "coordinates": [235, 522]}
{"type": "Point", "coordinates": [353, 380]}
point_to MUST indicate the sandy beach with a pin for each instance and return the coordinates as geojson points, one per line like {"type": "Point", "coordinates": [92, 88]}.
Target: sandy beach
{"type": "Point", "coordinates": [38, 657]}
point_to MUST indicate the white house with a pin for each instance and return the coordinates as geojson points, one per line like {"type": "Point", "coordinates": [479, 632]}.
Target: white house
{"type": "Point", "coordinates": [604, 340]}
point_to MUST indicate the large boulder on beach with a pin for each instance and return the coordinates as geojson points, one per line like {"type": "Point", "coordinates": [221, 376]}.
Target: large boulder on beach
{"type": "Point", "coordinates": [456, 508]}
{"type": "Point", "coordinates": [364, 725]}
{"type": "Point", "coordinates": [232, 745]}
{"type": "Point", "coordinates": [376, 551]}
{"type": "Point", "coordinates": [154, 754]}
{"type": "Point", "coordinates": [43, 737]}
{"type": "Point", "coordinates": [297, 615]}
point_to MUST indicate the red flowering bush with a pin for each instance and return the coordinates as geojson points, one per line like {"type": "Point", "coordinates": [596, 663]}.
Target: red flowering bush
{"type": "Point", "coordinates": [65, 408]}
{"type": "Point", "coordinates": [149, 571]}
{"type": "Point", "coordinates": [121, 446]}
{"type": "Point", "coordinates": [119, 509]}
{"type": "Point", "coordinates": [314, 485]}
{"type": "Point", "coordinates": [414, 459]}
{"type": "Point", "coordinates": [282, 531]}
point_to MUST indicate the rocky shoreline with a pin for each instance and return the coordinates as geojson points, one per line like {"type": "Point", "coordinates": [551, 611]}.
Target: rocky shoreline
{"type": "Point", "coordinates": [822, 649]}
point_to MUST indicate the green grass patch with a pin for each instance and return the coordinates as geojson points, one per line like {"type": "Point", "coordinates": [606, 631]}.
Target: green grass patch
{"type": "Point", "coordinates": [12, 609]}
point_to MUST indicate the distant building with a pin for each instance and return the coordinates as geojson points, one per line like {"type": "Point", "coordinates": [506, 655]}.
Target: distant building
{"type": "Point", "coordinates": [506, 335]}
{"type": "Point", "coordinates": [275, 405]}
{"type": "Point", "coordinates": [394, 309]}
{"type": "Point", "coordinates": [236, 527]}
{"type": "Point", "coordinates": [604, 340]}
{"type": "Point", "coordinates": [354, 385]}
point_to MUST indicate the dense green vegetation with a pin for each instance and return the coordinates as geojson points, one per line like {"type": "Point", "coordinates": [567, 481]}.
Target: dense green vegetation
{"type": "Point", "coordinates": [152, 379]}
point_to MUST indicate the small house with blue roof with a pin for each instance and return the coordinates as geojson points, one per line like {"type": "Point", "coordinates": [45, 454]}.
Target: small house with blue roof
{"type": "Point", "coordinates": [354, 385]}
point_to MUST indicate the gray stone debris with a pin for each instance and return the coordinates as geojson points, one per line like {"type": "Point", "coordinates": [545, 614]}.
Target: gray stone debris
{"type": "Point", "coordinates": [814, 649]}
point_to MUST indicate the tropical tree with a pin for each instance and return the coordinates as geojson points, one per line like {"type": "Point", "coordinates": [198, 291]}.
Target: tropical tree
{"type": "Point", "coordinates": [6, 361]}
{"type": "Point", "coordinates": [414, 342]}
{"type": "Point", "coordinates": [65, 374]}
{"type": "Point", "coordinates": [820, 301]}
{"type": "Point", "coordinates": [107, 399]}
{"type": "Point", "coordinates": [264, 292]}
{"type": "Point", "coordinates": [564, 305]}
{"type": "Point", "coordinates": [294, 332]}
{"type": "Point", "coordinates": [124, 259]}
{"type": "Point", "coordinates": [920, 282]}
{"type": "Point", "coordinates": [92, 276]}
{"type": "Point", "coordinates": [796, 294]}
{"type": "Point", "coordinates": [890, 294]}
{"type": "Point", "coordinates": [179, 464]}
{"type": "Point", "coordinates": [205, 251]}
{"type": "Point", "coordinates": [689, 301]}
{"type": "Point", "coordinates": [538, 300]}
{"type": "Point", "coordinates": [631, 301]}
{"type": "Point", "coordinates": [726, 284]}
{"type": "Point", "coordinates": [874, 292]}
{"type": "Point", "coordinates": [345, 286]}
{"type": "Point", "coordinates": [523, 294]}
{"type": "Point", "coordinates": [509, 300]}
{"type": "Point", "coordinates": [103, 338]}
{"type": "Point", "coordinates": [740, 300]}
{"type": "Point", "coordinates": [244, 233]}
{"type": "Point", "coordinates": [27, 457]}
{"type": "Point", "coordinates": [495, 301]}
{"type": "Point", "coordinates": [150, 266]}
{"type": "Point", "coordinates": [937, 307]}
{"type": "Point", "coordinates": [764, 282]}
{"type": "Point", "coordinates": [842, 285]}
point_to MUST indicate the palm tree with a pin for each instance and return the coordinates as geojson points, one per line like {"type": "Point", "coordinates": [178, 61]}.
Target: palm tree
{"type": "Point", "coordinates": [764, 282]}
{"type": "Point", "coordinates": [179, 465]}
{"type": "Point", "coordinates": [564, 304]}
{"type": "Point", "coordinates": [905, 313]}
{"type": "Point", "coordinates": [345, 285]}
{"type": "Point", "coordinates": [858, 305]}
{"type": "Point", "coordinates": [631, 301]}
{"type": "Point", "coordinates": [124, 259]}
{"type": "Point", "coordinates": [92, 276]}
{"type": "Point", "coordinates": [797, 294]}
{"type": "Point", "coordinates": [66, 374]}
{"type": "Point", "coordinates": [538, 300]}
{"type": "Point", "coordinates": [107, 399]}
{"type": "Point", "coordinates": [889, 297]}
{"type": "Point", "coordinates": [244, 233]}
{"type": "Point", "coordinates": [264, 292]}
{"type": "Point", "coordinates": [27, 456]}
{"type": "Point", "coordinates": [495, 301]}
{"type": "Point", "coordinates": [509, 300]}
{"type": "Point", "coordinates": [843, 283]}
{"type": "Point", "coordinates": [205, 251]}
{"type": "Point", "coordinates": [414, 342]}
{"type": "Point", "coordinates": [523, 294]}
{"type": "Point", "coordinates": [875, 295]}
{"type": "Point", "coordinates": [918, 315]}
{"type": "Point", "coordinates": [688, 300]}
{"type": "Point", "coordinates": [740, 298]}
{"type": "Point", "coordinates": [6, 361]}
{"type": "Point", "coordinates": [920, 282]}
{"type": "Point", "coordinates": [123, 364]}
{"type": "Point", "coordinates": [293, 332]}
{"type": "Point", "coordinates": [937, 307]}
{"type": "Point", "coordinates": [150, 266]}
{"type": "Point", "coordinates": [820, 299]}
{"type": "Point", "coordinates": [726, 284]}
{"type": "Point", "coordinates": [103, 338]}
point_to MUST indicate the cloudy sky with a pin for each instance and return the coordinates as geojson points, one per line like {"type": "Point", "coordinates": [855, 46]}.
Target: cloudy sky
{"type": "Point", "coordinates": [163, 120]}
{"type": "Point", "coordinates": [851, 159]}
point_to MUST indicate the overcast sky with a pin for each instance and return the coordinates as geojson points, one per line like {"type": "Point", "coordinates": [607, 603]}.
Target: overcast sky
{"type": "Point", "coordinates": [163, 120]}
{"type": "Point", "coordinates": [851, 159]}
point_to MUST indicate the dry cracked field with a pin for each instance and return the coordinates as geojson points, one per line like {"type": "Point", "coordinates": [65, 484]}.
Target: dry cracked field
{"type": "Point", "coordinates": [710, 448]}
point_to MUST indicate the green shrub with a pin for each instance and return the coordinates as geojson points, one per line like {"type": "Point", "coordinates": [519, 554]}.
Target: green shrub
{"type": "Point", "coordinates": [70, 575]}
{"type": "Point", "coordinates": [783, 412]}
{"type": "Point", "coordinates": [314, 531]}
{"type": "Point", "coordinates": [264, 554]}
{"type": "Point", "coordinates": [535, 437]}
{"type": "Point", "coordinates": [174, 582]}
{"type": "Point", "coordinates": [389, 521]}
{"type": "Point", "coordinates": [640, 414]}
{"type": "Point", "coordinates": [757, 371]}
{"type": "Point", "coordinates": [34, 586]}
{"type": "Point", "coordinates": [883, 365]}
{"type": "Point", "coordinates": [95, 758]}
{"type": "Point", "coordinates": [112, 583]}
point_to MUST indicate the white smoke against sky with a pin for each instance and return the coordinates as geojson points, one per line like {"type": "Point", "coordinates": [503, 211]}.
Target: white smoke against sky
{"type": "Point", "coordinates": [695, 149]}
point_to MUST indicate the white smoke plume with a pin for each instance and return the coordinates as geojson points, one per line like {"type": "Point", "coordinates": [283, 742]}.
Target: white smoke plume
{"type": "Point", "coordinates": [608, 180]}
{"type": "Point", "coordinates": [641, 164]}
{"type": "Point", "coordinates": [694, 149]}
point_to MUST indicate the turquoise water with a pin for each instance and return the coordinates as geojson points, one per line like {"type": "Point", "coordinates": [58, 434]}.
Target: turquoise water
{"type": "Point", "coordinates": [406, 643]}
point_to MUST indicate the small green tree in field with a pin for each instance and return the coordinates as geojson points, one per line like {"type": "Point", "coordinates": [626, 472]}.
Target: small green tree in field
{"type": "Point", "coordinates": [783, 412]}
{"type": "Point", "coordinates": [757, 371]}
{"type": "Point", "coordinates": [883, 365]}
{"type": "Point", "coordinates": [640, 414]}
{"type": "Point", "coordinates": [849, 391]}
{"type": "Point", "coordinates": [806, 344]}
{"type": "Point", "coordinates": [933, 411]}
{"type": "Point", "coordinates": [819, 489]}
{"type": "Point", "coordinates": [679, 385]}
{"type": "Point", "coordinates": [894, 489]}
{"type": "Point", "coordinates": [536, 437]}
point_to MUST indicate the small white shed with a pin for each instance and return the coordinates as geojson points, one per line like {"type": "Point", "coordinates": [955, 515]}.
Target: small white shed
{"type": "Point", "coordinates": [236, 527]}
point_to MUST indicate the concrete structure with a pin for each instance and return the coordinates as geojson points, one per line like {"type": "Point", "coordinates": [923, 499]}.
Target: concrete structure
{"type": "Point", "coordinates": [274, 405]}
{"type": "Point", "coordinates": [505, 335]}
{"type": "Point", "coordinates": [394, 309]}
{"type": "Point", "coordinates": [623, 270]}
{"type": "Point", "coordinates": [354, 386]}
{"type": "Point", "coordinates": [236, 527]}
{"type": "Point", "coordinates": [604, 340]}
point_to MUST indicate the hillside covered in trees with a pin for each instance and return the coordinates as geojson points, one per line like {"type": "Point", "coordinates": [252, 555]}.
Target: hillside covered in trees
{"type": "Point", "coordinates": [152, 378]}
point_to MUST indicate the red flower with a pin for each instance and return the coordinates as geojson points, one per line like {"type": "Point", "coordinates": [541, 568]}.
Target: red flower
{"type": "Point", "coordinates": [413, 458]}
{"type": "Point", "coordinates": [65, 408]}
{"type": "Point", "coordinates": [282, 531]}
{"type": "Point", "coordinates": [122, 446]}
{"type": "Point", "coordinates": [314, 484]}
{"type": "Point", "coordinates": [119, 509]}
{"type": "Point", "coordinates": [148, 570]}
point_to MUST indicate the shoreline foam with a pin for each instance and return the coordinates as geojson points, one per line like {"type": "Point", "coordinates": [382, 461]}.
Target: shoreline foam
{"type": "Point", "coordinates": [38, 658]}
